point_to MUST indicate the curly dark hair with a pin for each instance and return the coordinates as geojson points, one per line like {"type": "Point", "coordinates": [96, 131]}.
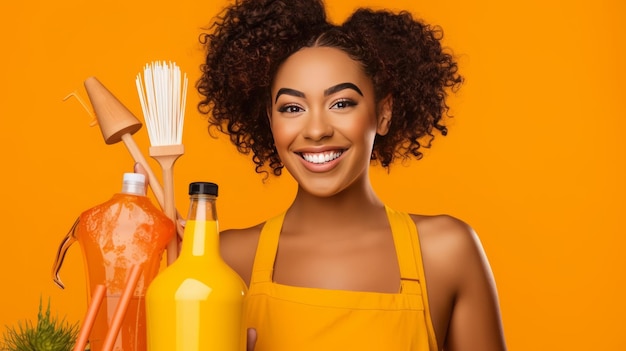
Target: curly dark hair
{"type": "Point", "coordinates": [249, 41]}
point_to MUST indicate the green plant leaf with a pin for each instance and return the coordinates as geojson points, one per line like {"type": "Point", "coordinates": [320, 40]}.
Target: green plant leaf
{"type": "Point", "coordinates": [48, 334]}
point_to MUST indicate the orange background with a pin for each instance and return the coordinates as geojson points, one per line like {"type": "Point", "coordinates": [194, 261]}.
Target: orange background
{"type": "Point", "coordinates": [535, 158]}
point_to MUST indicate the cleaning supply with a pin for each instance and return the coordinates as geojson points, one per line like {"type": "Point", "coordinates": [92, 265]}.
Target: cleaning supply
{"type": "Point", "coordinates": [163, 102]}
{"type": "Point", "coordinates": [196, 303]}
{"type": "Point", "coordinates": [117, 124]}
{"type": "Point", "coordinates": [124, 232]}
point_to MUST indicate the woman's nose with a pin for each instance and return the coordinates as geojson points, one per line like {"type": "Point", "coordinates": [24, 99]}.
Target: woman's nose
{"type": "Point", "coordinates": [317, 126]}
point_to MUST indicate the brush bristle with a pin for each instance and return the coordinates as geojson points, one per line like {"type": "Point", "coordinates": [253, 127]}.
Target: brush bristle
{"type": "Point", "coordinates": [163, 93]}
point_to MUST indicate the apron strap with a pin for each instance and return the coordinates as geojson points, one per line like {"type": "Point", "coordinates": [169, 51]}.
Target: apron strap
{"type": "Point", "coordinates": [409, 253]}
{"type": "Point", "coordinates": [263, 267]}
{"type": "Point", "coordinates": [404, 230]}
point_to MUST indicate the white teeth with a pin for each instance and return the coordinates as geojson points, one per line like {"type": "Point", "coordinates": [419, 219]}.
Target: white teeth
{"type": "Point", "coordinates": [321, 157]}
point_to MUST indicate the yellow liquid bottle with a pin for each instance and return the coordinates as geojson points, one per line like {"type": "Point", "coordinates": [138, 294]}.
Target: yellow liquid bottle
{"type": "Point", "coordinates": [196, 303]}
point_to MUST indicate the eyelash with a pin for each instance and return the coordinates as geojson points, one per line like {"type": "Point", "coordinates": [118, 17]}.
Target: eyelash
{"type": "Point", "coordinates": [291, 107]}
{"type": "Point", "coordinates": [346, 102]}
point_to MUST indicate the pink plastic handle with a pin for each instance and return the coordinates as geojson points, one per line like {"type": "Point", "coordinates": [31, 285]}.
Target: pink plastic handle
{"type": "Point", "coordinates": [120, 310]}
{"type": "Point", "coordinates": [90, 317]}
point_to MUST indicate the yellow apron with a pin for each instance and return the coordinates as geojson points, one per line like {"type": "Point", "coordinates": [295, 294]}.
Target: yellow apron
{"type": "Point", "coordinates": [289, 318]}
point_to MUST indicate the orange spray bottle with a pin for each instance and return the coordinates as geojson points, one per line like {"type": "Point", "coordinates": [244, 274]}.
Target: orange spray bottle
{"type": "Point", "coordinates": [125, 231]}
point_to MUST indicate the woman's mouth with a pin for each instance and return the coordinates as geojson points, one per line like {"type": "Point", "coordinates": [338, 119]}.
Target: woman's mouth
{"type": "Point", "coordinates": [321, 157]}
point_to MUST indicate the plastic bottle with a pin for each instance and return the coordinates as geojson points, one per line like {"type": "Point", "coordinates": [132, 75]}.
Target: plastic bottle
{"type": "Point", "coordinates": [196, 303]}
{"type": "Point", "coordinates": [125, 231]}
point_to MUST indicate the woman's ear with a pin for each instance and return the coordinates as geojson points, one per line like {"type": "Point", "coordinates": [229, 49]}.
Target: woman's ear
{"type": "Point", "coordinates": [385, 109]}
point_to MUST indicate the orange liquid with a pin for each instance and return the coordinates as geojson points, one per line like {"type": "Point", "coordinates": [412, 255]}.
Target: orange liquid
{"type": "Point", "coordinates": [125, 231]}
{"type": "Point", "coordinates": [132, 335]}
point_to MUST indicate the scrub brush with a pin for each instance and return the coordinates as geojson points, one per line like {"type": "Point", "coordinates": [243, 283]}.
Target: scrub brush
{"type": "Point", "coordinates": [163, 104]}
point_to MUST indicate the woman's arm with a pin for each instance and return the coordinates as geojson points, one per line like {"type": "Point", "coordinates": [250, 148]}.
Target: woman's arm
{"type": "Point", "coordinates": [475, 323]}
{"type": "Point", "coordinates": [462, 293]}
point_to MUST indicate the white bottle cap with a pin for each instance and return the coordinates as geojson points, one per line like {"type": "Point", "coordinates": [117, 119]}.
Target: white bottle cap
{"type": "Point", "coordinates": [135, 178]}
{"type": "Point", "coordinates": [134, 183]}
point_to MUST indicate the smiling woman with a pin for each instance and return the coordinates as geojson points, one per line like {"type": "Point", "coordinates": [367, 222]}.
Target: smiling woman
{"type": "Point", "coordinates": [338, 269]}
{"type": "Point", "coordinates": [324, 134]}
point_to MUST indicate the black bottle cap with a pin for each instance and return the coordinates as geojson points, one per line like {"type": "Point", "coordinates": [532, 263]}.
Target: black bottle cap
{"type": "Point", "coordinates": [202, 188]}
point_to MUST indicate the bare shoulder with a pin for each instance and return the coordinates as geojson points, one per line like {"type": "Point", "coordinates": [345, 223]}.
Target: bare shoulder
{"type": "Point", "coordinates": [238, 248]}
{"type": "Point", "coordinates": [449, 240]}
{"type": "Point", "coordinates": [462, 291]}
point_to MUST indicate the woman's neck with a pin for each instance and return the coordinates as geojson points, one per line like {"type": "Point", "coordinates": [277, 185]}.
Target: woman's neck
{"type": "Point", "coordinates": [347, 209]}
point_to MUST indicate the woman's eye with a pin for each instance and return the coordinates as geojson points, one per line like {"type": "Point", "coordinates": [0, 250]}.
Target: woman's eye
{"type": "Point", "coordinates": [341, 104]}
{"type": "Point", "coordinates": [290, 109]}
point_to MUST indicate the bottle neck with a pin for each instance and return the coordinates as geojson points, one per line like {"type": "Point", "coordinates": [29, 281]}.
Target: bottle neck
{"type": "Point", "coordinates": [201, 235]}
{"type": "Point", "coordinates": [134, 188]}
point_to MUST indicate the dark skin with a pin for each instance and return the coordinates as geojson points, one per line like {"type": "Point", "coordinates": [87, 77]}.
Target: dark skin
{"type": "Point", "coordinates": [336, 234]}
{"type": "Point", "coordinates": [460, 286]}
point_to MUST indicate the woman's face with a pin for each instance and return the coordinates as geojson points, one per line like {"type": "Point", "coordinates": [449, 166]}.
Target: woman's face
{"type": "Point", "coordinates": [324, 120]}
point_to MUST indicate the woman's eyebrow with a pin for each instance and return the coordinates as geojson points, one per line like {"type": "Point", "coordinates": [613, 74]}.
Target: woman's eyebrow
{"type": "Point", "coordinates": [289, 91]}
{"type": "Point", "coordinates": [329, 91]}
{"type": "Point", "coordinates": [342, 86]}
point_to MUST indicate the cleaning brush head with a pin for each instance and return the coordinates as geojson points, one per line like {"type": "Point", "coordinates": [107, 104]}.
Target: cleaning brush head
{"type": "Point", "coordinates": [162, 93]}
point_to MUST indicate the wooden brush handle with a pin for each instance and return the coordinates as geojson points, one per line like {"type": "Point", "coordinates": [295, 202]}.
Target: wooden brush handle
{"type": "Point", "coordinates": [167, 156]}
